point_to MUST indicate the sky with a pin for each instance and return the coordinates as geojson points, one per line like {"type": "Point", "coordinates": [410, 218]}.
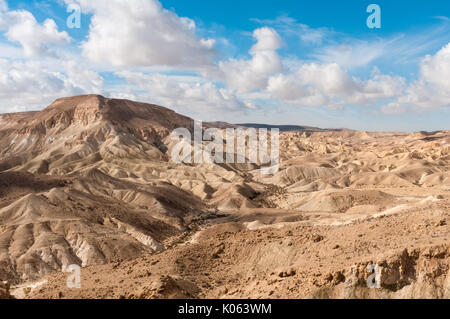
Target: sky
{"type": "Point", "coordinates": [280, 62]}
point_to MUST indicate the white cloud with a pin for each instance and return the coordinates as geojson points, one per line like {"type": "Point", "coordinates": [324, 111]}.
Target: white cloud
{"type": "Point", "coordinates": [143, 33]}
{"type": "Point", "coordinates": [33, 85]}
{"type": "Point", "coordinates": [400, 48]}
{"type": "Point", "coordinates": [22, 27]}
{"type": "Point", "coordinates": [289, 90]}
{"type": "Point", "coordinates": [38, 76]}
{"type": "Point", "coordinates": [289, 26]}
{"type": "Point", "coordinates": [431, 90]}
{"type": "Point", "coordinates": [393, 108]}
{"type": "Point", "coordinates": [81, 79]}
{"type": "Point", "coordinates": [248, 75]}
{"type": "Point", "coordinates": [330, 85]}
{"type": "Point", "coordinates": [356, 54]}
{"type": "Point", "coordinates": [436, 69]}
{"type": "Point", "coordinates": [378, 87]}
{"type": "Point", "coordinates": [186, 94]}
{"type": "Point", "coordinates": [10, 51]}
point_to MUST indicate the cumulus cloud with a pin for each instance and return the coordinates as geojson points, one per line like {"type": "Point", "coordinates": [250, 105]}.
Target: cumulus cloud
{"type": "Point", "coordinates": [185, 93]}
{"type": "Point", "coordinates": [253, 74]}
{"type": "Point", "coordinates": [82, 80]}
{"type": "Point", "coordinates": [289, 26]}
{"type": "Point", "coordinates": [431, 90]}
{"type": "Point", "coordinates": [378, 87]}
{"type": "Point", "coordinates": [42, 76]}
{"type": "Point", "coordinates": [143, 33]}
{"type": "Point", "coordinates": [35, 38]}
{"type": "Point", "coordinates": [25, 85]}
{"type": "Point", "coordinates": [330, 85]}
{"type": "Point", "coordinates": [436, 69]}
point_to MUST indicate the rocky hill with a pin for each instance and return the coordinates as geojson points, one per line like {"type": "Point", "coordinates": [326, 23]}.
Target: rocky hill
{"type": "Point", "coordinates": [89, 181]}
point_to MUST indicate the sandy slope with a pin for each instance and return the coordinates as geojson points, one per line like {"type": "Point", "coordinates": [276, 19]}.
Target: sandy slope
{"type": "Point", "coordinates": [89, 181]}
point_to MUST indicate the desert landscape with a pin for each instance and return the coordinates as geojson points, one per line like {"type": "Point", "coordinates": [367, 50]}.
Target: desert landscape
{"type": "Point", "coordinates": [89, 181]}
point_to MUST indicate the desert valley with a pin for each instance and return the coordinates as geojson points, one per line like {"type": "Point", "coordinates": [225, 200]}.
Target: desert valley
{"type": "Point", "coordinates": [89, 181]}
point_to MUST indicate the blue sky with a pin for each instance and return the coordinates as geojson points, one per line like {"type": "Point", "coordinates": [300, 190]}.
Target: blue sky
{"type": "Point", "coordinates": [278, 62]}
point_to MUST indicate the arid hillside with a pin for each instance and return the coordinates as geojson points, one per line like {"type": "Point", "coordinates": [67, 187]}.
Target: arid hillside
{"type": "Point", "coordinates": [89, 181]}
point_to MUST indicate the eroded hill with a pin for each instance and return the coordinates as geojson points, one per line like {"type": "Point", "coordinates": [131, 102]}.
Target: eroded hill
{"type": "Point", "coordinates": [89, 181]}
